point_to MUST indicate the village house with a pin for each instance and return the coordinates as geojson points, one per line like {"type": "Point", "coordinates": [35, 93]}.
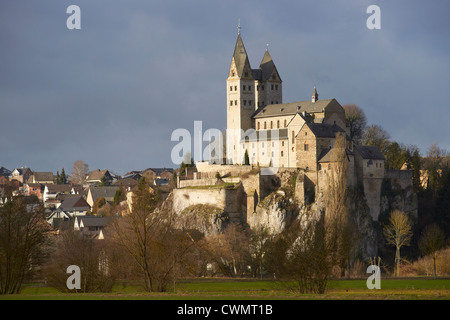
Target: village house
{"type": "Point", "coordinates": [95, 193]}
{"type": "Point", "coordinates": [91, 225]}
{"type": "Point", "coordinates": [71, 207]}
{"type": "Point", "coordinates": [95, 177]}
{"type": "Point", "coordinates": [20, 174]}
{"type": "Point", "coordinates": [51, 193]}
{"type": "Point", "coordinates": [42, 177]}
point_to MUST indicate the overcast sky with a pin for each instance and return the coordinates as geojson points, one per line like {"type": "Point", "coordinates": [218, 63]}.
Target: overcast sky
{"type": "Point", "coordinates": [112, 93]}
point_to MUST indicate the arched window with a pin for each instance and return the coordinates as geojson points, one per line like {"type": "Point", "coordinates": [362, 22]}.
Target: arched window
{"type": "Point", "coordinates": [278, 124]}
{"type": "Point", "coordinates": [265, 126]}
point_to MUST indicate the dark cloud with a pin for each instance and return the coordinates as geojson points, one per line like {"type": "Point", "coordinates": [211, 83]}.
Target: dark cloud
{"type": "Point", "coordinates": [113, 92]}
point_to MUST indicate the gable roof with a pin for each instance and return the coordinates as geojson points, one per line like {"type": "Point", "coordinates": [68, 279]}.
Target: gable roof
{"type": "Point", "coordinates": [370, 152]}
{"type": "Point", "coordinates": [74, 203]}
{"type": "Point", "coordinates": [93, 221]}
{"type": "Point", "coordinates": [58, 188]}
{"type": "Point", "coordinates": [106, 192]}
{"type": "Point", "coordinates": [22, 170]}
{"type": "Point", "coordinates": [43, 176]}
{"type": "Point", "coordinates": [5, 172]}
{"type": "Point", "coordinates": [97, 174]}
{"type": "Point", "coordinates": [291, 108]}
{"type": "Point", "coordinates": [332, 155]}
{"type": "Point", "coordinates": [324, 130]}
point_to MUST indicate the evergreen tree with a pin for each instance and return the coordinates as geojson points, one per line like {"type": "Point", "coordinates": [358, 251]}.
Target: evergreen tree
{"type": "Point", "coordinates": [63, 177]}
{"type": "Point", "coordinates": [246, 158]}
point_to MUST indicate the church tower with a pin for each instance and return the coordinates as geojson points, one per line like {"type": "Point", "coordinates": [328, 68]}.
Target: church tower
{"type": "Point", "coordinates": [240, 99]}
{"type": "Point", "coordinates": [269, 84]}
{"type": "Point", "coordinates": [247, 90]}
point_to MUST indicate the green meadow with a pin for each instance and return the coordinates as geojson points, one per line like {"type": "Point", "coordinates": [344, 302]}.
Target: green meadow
{"type": "Point", "coordinates": [242, 289]}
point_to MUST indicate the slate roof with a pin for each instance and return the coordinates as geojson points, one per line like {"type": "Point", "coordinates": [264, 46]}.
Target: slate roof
{"type": "Point", "coordinates": [331, 155]}
{"type": "Point", "coordinates": [59, 188]}
{"type": "Point", "coordinates": [291, 108]}
{"type": "Point", "coordinates": [74, 203]}
{"type": "Point", "coordinates": [5, 172]}
{"type": "Point", "coordinates": [93, 221]}
{"type": "Point", "coordinates": [106, 192]}
{"type": "Point", "coordinates": [370, 152]}
{"type": "Point", "coordinates": [324, 130]}
{"type": "Point", "coordinates": [43, 176]}
{"type": "Point", "coordinates": [97, 174]}
{"type": "Point", "coordinates": [240, 56]}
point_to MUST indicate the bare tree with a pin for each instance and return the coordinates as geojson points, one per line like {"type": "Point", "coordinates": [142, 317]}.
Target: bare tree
{"type": "Point", "coordinates": [432, 240]}
{"type": "Point", "coordinates": [398, 233]}
{"type": "Point", "coordinates": [229, 250]}
{"type": "Point", "coordinates": [356, 119]}
{"type": "Point", "coordinates": [23, 236]}
{"type": "Point", "coordinates": [375, 135]}
{"type": "Point", "coordinates": [340, 232]}
{"type": "Point", "coordinates": [93, 256]}
{"type": "Point", "coordinates": [150, 242]}
{"type": "Point", "coordinates": [79, 172]}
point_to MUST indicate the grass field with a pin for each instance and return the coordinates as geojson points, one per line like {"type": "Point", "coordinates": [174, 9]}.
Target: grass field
{"type": "Point", "coordinates": [232, 289]}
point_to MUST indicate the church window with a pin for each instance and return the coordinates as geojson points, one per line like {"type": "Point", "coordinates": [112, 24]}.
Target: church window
{"type": "Point", "coordinates": [265, 127]}
{"type": "Point", "coordinates": [271, 86]}
{"type": "Point", "coordinates": [262, 88]}
{"type": "Point", "coordinates": [232, 73]}
{"type": "Point", "coordinates": [245, 102]}
{"type": "Point", "coordinates": [231, 102]}
{"type": "Point", "coordinates": [306, 133]}
{"type": "Point", "coordinates": [271, 124]}
{"type": "Point", "coordinates": [282, 153]}
{"type": "Point", "coordinates": [285, 123]}
{"type": "Point", "coordinates": [249, 88]}
{"type": "Point", "coordinates": [276, 87]}
{"type": "Point", "coordinates": [243, 87]}
{"type": "Point", "coordinates": [271, 102]}
{"type": "Point", "coordinates": [235, 102]}
{"type": "Point", "coordinates": [235, 88]}
{"type": "Point", "coordinates": [246, 74]}
{"type": "Point", "coordinates": [306, 147]}
{"type": "Point", "coordinates": [282, 144]}
{"type": "Point", "coordinates": [278, 124]}
{"type": "Point", "coordinates": [231, 88]}
{"type": "Point", "coordinates": [249, 102]}
{"type": "Point", "coordinates": [259, 125]}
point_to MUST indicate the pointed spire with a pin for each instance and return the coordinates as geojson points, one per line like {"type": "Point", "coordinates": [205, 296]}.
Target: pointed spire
{"type": "Point", "coordinates": [240, 57]}
{"type": "Point", "coordinates": [315, 95]}
{"type": "Point", "coordinates": [267, 65]}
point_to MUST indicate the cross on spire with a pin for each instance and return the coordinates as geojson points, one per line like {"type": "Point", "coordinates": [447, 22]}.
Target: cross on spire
{"type": "Point", "coordinates": [239, 26]}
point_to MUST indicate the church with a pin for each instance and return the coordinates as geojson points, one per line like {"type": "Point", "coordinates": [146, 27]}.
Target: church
{"type": "Point", "coordinates": [262, 130]}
